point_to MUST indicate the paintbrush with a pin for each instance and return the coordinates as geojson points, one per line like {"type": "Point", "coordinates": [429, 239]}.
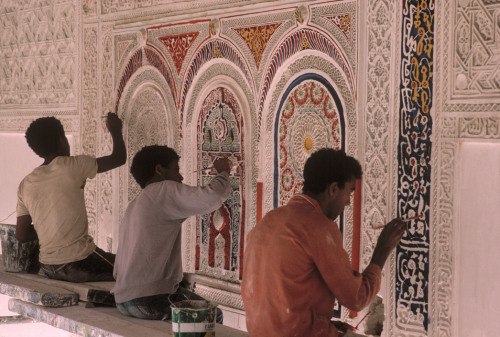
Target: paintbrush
{"type": "Point", "coordinates": [367, 314]}
{"type": "Point", "coordinates": [421, 215]}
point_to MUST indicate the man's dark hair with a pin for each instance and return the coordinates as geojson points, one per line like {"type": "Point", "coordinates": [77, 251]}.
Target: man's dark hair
{"type": "Point", "coordinates": [326, 166]}
{"type": "Point", "coordinates": [44, 134]}
{"type": "Point", "coordinates": [145, 161]}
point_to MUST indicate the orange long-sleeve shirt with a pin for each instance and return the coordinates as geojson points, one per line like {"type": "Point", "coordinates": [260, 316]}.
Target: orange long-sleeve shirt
{"type": "Point", "coordinates": [294, 268]}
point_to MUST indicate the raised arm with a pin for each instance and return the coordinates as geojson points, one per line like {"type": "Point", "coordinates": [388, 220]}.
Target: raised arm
{"type": "Point", "coordinates": [119, 155]}
{"type": "Point", "coordinates": [24, 229]}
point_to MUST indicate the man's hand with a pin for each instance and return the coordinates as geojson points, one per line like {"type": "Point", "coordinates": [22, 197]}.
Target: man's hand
{"type": "Point", "coordinates": [223, 165]}
{"type": "Point", "coordinates": [114, 123]}
{"type": "Point", "coordinates": [387, 241]}
{"type": "Point", "coordinates": [188, 282]}
{"type": "Point", "coordinates": [119, 155]}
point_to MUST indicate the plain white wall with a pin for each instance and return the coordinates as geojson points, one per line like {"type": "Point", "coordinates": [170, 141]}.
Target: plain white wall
{"type": "Point", "coordinates": [477, 234]}
{"type": "Point", "coordinates": [16, 161]}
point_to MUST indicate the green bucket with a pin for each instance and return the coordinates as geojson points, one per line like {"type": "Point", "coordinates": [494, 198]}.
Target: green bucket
{"type": "Point", "coordinates": [193, 319]}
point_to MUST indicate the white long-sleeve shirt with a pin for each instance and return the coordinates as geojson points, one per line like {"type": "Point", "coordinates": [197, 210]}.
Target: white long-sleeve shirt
{"type": "Point", "coordinates": [148, 261]}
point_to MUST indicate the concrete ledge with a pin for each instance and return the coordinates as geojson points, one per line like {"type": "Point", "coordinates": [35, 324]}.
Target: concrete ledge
{"type": "Point", "coordinates": [39, 289]}
{"type": "Point", "coordinates": [103, 321]}
{"type": "Point", "coordinates": [35, 292]}
{"type": "Point", "coordinates": [92, 292]}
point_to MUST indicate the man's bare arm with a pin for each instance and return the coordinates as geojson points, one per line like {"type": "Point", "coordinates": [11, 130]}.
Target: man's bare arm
{"type": "Point", "coordinates": [25, 231]}
{"type": "Point", "coordinates": [119, 155]}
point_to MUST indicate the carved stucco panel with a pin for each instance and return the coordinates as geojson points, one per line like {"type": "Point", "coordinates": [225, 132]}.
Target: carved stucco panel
{"type": "Point", "coordinates": [467, 55]}
{"type": "Point", "coordinates": [379, 85]}
{"type": "Point", "coordinates": [466, 111]}
{"type": "Point", "coordinates": [105, 180]}
{"type": "Point", "coordinates": [341, 21]}
{"type": "Point", "coordinates": [189, 36]}
{"type": "Point", "coordinates": [124, 44]}
{"type": "Point", "coordinates": [38, 58]}
{"type": "Point", "coordinates": [149, 117]}
{"type": "Point", "coordinates": [136, 8]}
{"type": "Point", "coordinates": [89, 122]}
{"type": "Point", "coordinates": [230, 27]}
{"type": "Point", "coordinates": [69, 119]}
{"type": "Point", "coordinates": [89, 7]}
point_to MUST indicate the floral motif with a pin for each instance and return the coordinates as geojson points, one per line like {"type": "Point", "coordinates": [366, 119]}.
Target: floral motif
{"type": "Point", "coordinates": [257, 38]}
{"type": "Point", "coordinates": [178, 46]}
{"type": "Point", "coordinates": [308, 121]}
{"type": "Point", "coordinates": [287, 179]}
{"type": "Point", "coordinates": [288, 108]}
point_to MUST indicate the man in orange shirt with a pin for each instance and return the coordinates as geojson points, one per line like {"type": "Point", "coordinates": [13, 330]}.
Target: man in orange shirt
{"type": "Point", "coordinates": [295, 265]}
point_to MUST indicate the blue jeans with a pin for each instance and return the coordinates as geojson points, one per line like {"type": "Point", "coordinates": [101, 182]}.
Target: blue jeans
{"type": "Point", "coordinates": [157, 307]}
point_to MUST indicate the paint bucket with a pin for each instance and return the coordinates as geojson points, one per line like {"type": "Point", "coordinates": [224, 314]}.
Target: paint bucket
{"type": "Point", "coordinates": [193, 318]}
{"type": "Point", "coordinates": [18, 257]}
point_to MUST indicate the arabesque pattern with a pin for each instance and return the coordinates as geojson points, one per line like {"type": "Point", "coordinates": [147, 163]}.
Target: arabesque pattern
{"type": "Point", "coordinates": [414, 170]}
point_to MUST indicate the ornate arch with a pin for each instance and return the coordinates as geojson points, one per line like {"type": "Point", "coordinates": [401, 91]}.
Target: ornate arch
{"type": "Point", "coordinates": [149, 117]}
{"type": "Point", "coordinates": [296, 42]}
{"type": "Point", "coordinates": [310, 115]}
{"type": "Point", "coordinates": [313, 66]}
{"type": "Point", "coordinates": [212, 49]}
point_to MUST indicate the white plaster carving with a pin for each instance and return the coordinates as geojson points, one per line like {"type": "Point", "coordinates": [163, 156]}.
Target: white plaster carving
{"type": "Point", "coordinates": [105, 195]}
{"type": "Point", "coordinates": [341, 21]}
{"type": "Point", "coordinates": [378, 92]}
{"type": "Point", "coordinates": [469, 113]}
{"type": "Point", "coordinates": [144, 96]}
{"type": "Point", "coordinates": [89, 121]}
{"type": "Point", "coordinates": [124, 45]}
{"type": "Point", "coordinates": [39, 53]}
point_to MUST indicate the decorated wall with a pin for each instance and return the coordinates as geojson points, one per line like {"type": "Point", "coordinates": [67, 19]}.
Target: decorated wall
{"type": "Point", "coordinates": [398, 85]}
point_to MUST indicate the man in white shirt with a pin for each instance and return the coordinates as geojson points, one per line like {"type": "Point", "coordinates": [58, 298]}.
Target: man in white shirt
{"type": "Point", "coordinates": [148, 267]}
{"type": "Point", "coordinates": [52, 198]}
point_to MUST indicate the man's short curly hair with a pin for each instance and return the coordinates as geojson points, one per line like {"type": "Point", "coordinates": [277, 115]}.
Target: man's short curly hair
{"type": "Point", "coordinates": [326, 166]}
{"type": "Point", "coordinates": [145, 161]}
{"type": "Point", "coordinates": [43, 135]}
